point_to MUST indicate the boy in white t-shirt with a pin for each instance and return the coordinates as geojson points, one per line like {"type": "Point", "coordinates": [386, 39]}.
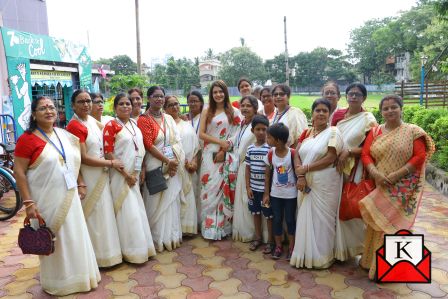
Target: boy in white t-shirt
{"type": "Point", "coordinates": [281, 190]}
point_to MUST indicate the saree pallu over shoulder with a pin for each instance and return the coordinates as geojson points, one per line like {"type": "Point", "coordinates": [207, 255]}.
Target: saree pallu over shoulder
{"type": "Point", "coordinates": [395, 207]}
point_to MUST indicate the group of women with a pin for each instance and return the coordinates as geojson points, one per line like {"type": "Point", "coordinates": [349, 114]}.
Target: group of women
{"type": "Point", "coordinates": [91, 183]}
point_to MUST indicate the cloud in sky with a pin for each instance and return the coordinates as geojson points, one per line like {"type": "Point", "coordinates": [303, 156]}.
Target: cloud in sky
{"type": "Point", "coordinates": [189, 28]}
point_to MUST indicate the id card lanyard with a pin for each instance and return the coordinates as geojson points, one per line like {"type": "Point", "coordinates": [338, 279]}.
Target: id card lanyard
{"type": "Point", "coordinates": [192, 123]}
{"type": "Point", "coordinates": [100, 140]}
{"type": "Point", "coordinates": [279, 118]}
{"type": "Point", "coordinates": [69, 179]}
{"type": "Point", "coordinates": [241, 134]}
{"type": "Point", "coordinates": [138, 158]}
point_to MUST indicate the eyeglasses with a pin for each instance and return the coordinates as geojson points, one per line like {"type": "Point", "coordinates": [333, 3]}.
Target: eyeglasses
{"type": "Point", "coordinates": [136, 98]}
{"type": "Point", "coordinates": [172, 105]}
{"type": "Point", "coordinates": [194, 102]}
{"type": "Point", "coordinates": [330, 93]}
{"type": "Point", "coordinates": [278, 94]}
{"type": "Point", "coordinates": [45, 108]}
{"type": "Point", "coordinates": [157, 96]}
{"type": "Point", "coordinates": [98, 102]}
{"type": "Point", "coordinates": [355, 95]}
{"type": "Point", "coordinates": [82, 102]}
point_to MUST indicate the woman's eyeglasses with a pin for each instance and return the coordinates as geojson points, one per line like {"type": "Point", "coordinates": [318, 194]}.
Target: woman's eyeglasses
{"type": "Point", "coordinates": [330, 93]}
{"type": "Point", "coordinates": [172, 105]}
{"type": "Point", "coordinates": [82, 102]}
{"type": "Point", "coordinates": [98, 102]}
{"type": "Point", "coordinates": [357, 95]}
{"type": "Point", "coordinates": [157, 96]}
{"type": "Point", "coordinates": [278, 94]}
{"type": "Point", "coordinates": [45, 108]}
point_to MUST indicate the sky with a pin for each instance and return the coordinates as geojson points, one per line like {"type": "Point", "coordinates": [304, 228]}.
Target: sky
{"type": "Point", "coordinates": [188, 28]}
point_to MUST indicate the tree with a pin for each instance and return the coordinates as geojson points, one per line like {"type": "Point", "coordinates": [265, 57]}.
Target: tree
{"type": "Point", "coordinates": [241, 62]}
{"type": "Point", "coordinates": [275, 68]}
{"type": "Point", "coordinates": [123, 65]}
{"type": "Point", "coordinates": [122, 83]}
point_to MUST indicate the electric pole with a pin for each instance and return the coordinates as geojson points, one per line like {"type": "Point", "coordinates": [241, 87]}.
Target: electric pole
{"type": "Point", "coordinates": [137, 27]}
{"type": "Point", "coordinates": [286, 55]}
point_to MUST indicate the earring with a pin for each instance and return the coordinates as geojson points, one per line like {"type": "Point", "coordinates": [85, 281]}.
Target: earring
{"type": "Point", "coordinates": [34, 118]}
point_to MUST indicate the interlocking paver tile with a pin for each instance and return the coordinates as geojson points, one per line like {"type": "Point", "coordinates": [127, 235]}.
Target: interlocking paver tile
{"type": "Point", "coordinates": [254, 256]}
{"type": "Point", "coordinates": [26, 274]}
{"type": "Point", "coordinates": [144, 278]}
{"type": "Point", "coordinates": [379, 294]}
{"type": "Point", "coordinates": [287, 290]}
{"type": "Point", "coordinates": [19, 287]}
{"type": "Point", "coordinates": [121, 272]}
{"type": "Point", "coordinates": [276, 278]}
{"type": "Point", "coordinates": [223, 245]}
{"type": "Point", "coordinates": [37, 292]}
{"type": "Point", "coordinates": [171, 281]}
{"type": "Point", "coordinates": [198, 284]}
{"type": "Point", "coordinates": [121, 288]}
{"type": "Point", "coordinates": [167, 269]}
{"type": "Point", "coordinates": [214, 262]}
{"type": "Point", "coordinates": [349, 292]}
{"type": "Point", "coordinates": [198, 243]}
{"type": "Point", "coordinates": [244, 247]}
{"type": "Point", "coordinates": [432, 289]}
{"type": "Point", "coordinates": [10, 260]}
{"type": "Point", "coordinates": [177, 293]}
{"type": "Point", "coordinates": [444, 287]}
{"type": "Point", "coordinates": [246, 276]}
{"type": "Point", "coordinates": [127, 296]}
{"type": "Point", "coordinates": [439, 275]}
{"type": "Point", "coordinates": [239, 295]}
{"type": "Point", "coordinates": [187, 260]}
{"type": "Point", "coordinates": [416, 295]}
{"type": "Point", "coordinates": [8, 270]}
{"type": "Point", "coordinates": [205, 251]}
{"type": "Point", "coordinates": [264, 266]}
{"type": "Point", "coordinates": [230, 253]}
{"type": "Point", "coordinates": [194, 271]}
{"type": "Point", "coordinates": [184, 249]}
{"type": "Point", "coordinates": [321, 273]}
{"type": "Point", "coordinates": [318, 291]}
{"type": "Point", "coordinates": [218, 274]}
{"type": "Point", "coordinates": [30, 262]}
{"type": "Point", "coordinates": [334, 280]}
{"type": "Point", "coordinates": [237, 263]}
{"type": "Point", "coordinates": [227, 287]}
{"type": "Point", "coordinates": [21, 296]}
{"type": "Point", "coordinates": [398, 288]}
{"type": "Point", "coordinates": [209, 294]}
{"type": "Point", "coordinates": [166, 257]}
{"type": "Point", "coordinates": [363, 283]}
{"type": "Point", "coordinates": [257, 289]}
{"type": "Point", "coordinates": [147, 291]}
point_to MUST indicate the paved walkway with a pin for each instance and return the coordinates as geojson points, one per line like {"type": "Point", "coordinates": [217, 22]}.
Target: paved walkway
{"type": "Point", "coordinates": [225, 269]}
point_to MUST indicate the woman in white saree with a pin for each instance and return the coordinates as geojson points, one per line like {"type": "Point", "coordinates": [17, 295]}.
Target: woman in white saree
{"type": "Point", "coordinates": [243, 224]}
{"type": "Point", "coordinates": [97, 206]}
{"type": "Point", "coordinates": [190, 145]}
{"type": "Point", "coordinates": [319, 184]}
{"type": "Point", "coordinates": [163, 149]}
{"type": "Point", "coordinates": [219, 123]}
{"type": "Point", "coordinates": [354, 124]}
{"type": "Point", "coordinates": [47, 161]}
{"type": "Point", "coordinates": [292, 117]}
{"type": "Point", "coordinates": [123, 140]}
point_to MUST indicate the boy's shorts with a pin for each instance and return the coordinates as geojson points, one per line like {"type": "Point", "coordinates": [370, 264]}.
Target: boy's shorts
{"type": "Point", "coordinates": [255, 205]}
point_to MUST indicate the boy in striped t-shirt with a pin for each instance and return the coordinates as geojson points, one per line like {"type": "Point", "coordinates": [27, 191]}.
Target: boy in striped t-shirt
{"type": "Point", "coordinates": [255, 184]}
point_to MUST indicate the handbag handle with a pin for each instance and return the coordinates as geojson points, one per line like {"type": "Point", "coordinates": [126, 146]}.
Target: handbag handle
{"type": "Point", "coordinates": [26, 221]}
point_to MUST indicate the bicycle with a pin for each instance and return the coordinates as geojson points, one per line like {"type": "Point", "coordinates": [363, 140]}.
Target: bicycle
{"type": "Point", "coordinates": [10, 200]}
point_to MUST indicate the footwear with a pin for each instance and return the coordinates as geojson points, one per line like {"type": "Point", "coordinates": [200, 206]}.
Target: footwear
{"type": "Point", "coordinates": [269, 248]}
{"type": "Point", "coordinates": [254, 245]}
{"type": "Point", "coordinates": [277, 252]}
{"type": "Point", "coordinates": [290, 251]}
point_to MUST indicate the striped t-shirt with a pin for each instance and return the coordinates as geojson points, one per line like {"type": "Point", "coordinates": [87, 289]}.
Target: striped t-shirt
{"type": "Point", "coordinates": [254, 158]}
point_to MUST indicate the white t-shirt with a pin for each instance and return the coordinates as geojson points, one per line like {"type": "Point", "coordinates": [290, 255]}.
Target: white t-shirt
{"type": "Point", "coordinates": [283, 180]}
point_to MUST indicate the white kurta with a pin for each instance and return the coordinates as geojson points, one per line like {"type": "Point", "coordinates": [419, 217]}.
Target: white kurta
{"type": "Point", "coordinates": [133, 227]}
{"type": "Point", "coordinates": [295, 120]}
{"type": "Point", "coordinates": [188, 212]}
{"type": "Point", "coordinates": [163, 208]}
{"type": "Point", "coordinates": [317, 210]}
{"type": "Point", "coordinates": [351, 232]}
{"type": "Point", "coordinates": [98, 206]}
{"type": "Point", "coordinates": [72, 267]}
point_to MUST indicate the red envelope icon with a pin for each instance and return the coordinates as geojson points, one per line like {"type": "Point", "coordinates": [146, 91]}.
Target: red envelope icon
{"type": "Point", "coordinates": [403, 271]}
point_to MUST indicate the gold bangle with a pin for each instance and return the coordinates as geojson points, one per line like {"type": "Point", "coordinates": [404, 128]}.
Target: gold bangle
{"type": "Point", "coordinates": [407, 170]}
{"type": "Point", "coordinates": [27, 206]}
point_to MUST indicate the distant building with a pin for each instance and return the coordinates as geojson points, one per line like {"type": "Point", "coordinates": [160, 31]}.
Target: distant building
{"type": "Point", "coordinates": [24, 15]}
{"type": "Point", "coordinates": [400, 65]}
{"type": "Point", "coordinates": [208, 71]}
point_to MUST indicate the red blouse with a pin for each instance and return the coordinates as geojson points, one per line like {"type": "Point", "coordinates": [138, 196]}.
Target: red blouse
{"type": "Point", "coordinates": [338, 115]}
{"type": "Point", "coordinates": [150, 130]}
{"type": "Point", "coordinates": [418, 152]}
{"type": "Point", "coordinates": [110, 131]}
{"type": "Point", "coordinates": [29, 146]}
{"type": "Point", "coordinates": [303, 136]}
{"type": "Point", "coordinates": [78, 129]}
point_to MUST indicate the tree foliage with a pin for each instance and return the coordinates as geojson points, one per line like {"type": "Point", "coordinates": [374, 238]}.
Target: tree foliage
{"type": "Point", "coordinates": [122, 83]}
{"type": "Point", "coordinates": [241, 62]}
{"type": "Point", "coordinates": [121, 64]}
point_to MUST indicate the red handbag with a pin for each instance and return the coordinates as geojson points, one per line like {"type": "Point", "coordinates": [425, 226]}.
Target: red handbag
{"type": "Point", "coordinates": [352, 193]}
{"type": "Point", "coordinates": [39, 241]}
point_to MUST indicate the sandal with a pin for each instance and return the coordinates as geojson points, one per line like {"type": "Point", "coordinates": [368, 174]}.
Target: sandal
{"type": "Point", "coordinates": [254, 245]}
{"type": "Point", "coordinates": [268, 248]}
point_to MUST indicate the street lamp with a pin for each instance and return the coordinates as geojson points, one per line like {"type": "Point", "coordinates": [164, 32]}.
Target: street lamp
{"type": "Point", "coordinates": [424, 59]}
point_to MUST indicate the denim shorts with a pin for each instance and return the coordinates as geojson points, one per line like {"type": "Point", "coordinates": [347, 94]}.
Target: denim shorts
{"type": "Point", "coordinates": [255, 205]}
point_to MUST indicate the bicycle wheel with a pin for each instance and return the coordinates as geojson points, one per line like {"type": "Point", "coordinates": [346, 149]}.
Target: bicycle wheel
{"type": "Point", "coordinates": [10, 201]}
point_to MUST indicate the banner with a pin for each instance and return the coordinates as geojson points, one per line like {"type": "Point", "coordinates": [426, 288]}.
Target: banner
{"type": "Point", "coordinates": [50, 78]}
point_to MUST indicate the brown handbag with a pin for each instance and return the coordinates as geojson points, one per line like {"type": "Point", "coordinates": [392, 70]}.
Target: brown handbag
{"type": "Point", "coordinates": [39, 241]}
{"type": "Point", "coordinates": [352, 193]}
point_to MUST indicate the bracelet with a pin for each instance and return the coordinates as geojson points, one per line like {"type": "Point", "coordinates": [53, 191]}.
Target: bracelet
{"type": "Point", "coordinates": [307, 168]}
{"type": "Point", "coordinates": [82, 186]}
{"type": "Point", "coordinates": [111, 164]}
{"type": "Point", "coordinates": [349, 151]}
{"type": "Point", "coordinates": [28, 201]}
{"type": "Point", "coordinates": [27, 206]}
{"type": "Point", "coordinates": [301, 176]}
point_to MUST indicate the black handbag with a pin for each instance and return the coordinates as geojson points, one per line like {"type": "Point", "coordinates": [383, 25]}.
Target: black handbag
{"type": "Point", "coordinates": [155, 181]}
